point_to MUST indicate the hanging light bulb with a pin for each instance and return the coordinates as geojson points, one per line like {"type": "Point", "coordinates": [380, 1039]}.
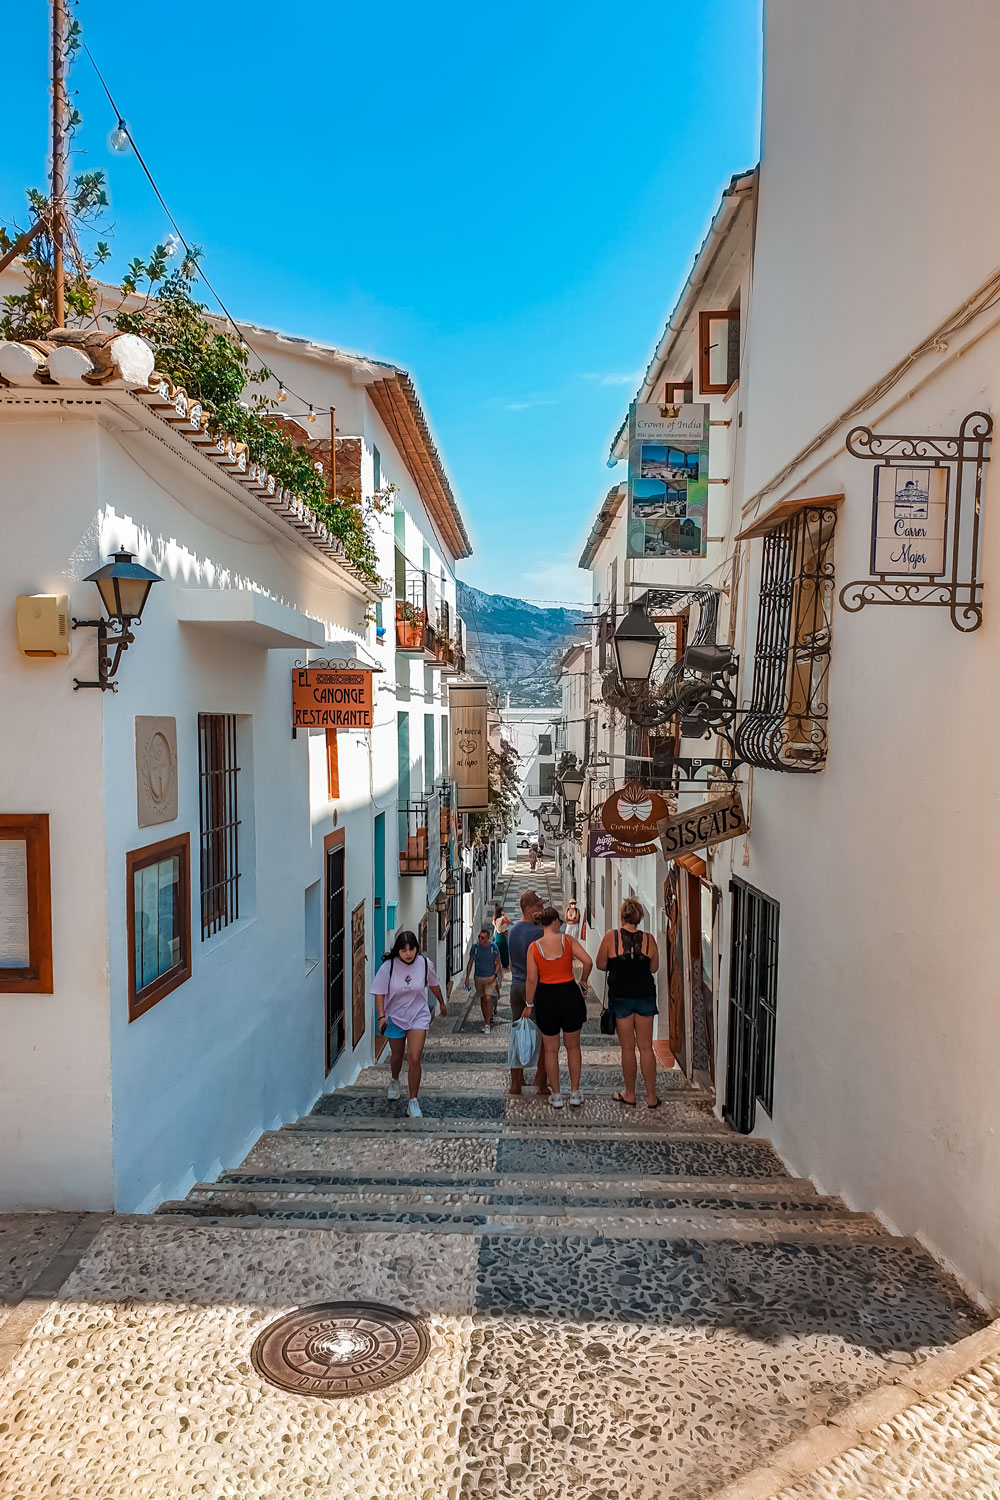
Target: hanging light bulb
{"type": "Point", "coordinates": [312, 415]}
{"type": "Point", "coordinates": [171, 245]}
{"type": "Point", "coordinates": [118, 139]}
{"type": "Point", "coordinates": [282, 393]}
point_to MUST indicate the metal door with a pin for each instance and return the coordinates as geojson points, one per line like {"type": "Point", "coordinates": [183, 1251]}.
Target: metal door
{"type": "Point", "coordinates": [753, 982]}
{"type": "Point", "coordinates": [336, 1031]}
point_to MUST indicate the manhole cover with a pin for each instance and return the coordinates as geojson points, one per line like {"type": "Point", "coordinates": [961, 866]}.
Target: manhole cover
{"type": "Point", "coordinates": [340, 1348]}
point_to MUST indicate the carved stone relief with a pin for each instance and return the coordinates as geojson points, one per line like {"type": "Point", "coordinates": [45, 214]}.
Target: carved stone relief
{"type": "Point", "coordinates": [156, 770]}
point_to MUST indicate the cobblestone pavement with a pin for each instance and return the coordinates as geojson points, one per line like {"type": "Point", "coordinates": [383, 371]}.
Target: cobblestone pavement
{"type": "Point", "coordinates": [620, 1304]}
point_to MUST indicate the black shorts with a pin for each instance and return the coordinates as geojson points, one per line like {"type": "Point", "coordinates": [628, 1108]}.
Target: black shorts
{"type": "Point", "coordinates": [559, 1007]}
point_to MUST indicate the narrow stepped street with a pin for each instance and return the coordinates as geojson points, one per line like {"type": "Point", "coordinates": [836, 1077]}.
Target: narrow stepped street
{"type": "Point", "coordinates": [620, 1304]}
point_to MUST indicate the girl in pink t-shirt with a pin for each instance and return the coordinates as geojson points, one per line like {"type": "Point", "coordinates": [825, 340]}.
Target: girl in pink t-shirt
{"type": "Point", "coordinates": [400, 988]}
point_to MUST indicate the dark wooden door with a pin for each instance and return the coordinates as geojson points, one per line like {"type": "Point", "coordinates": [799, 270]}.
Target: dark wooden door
{"type": "Point", "coordinates": [753, 979]}
{"type": "Point", "coordinates": [675, 960]}
{"type": "Point", "coordinates": [336, 1029]}
{"type": "Point", "coordinates": [359, 1018]}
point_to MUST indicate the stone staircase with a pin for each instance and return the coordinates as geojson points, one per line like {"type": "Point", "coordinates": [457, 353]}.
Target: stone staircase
{"type": "Point", "coordinates": [657, 1307]}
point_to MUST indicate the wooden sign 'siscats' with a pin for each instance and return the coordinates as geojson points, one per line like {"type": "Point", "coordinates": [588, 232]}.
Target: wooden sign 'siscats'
{"type": "Point", "coordinates": [697, 827]}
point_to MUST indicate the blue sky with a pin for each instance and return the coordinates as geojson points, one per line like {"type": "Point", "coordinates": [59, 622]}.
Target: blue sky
{"type": "Point", "coordinates": [505, 200]}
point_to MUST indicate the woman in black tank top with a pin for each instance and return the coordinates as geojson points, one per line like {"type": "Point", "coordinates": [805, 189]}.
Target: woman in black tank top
{"type": "Point", "coordinates": [630, 958]}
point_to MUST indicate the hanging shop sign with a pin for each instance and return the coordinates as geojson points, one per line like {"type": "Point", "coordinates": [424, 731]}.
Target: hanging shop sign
{"type": "Point", "coordinates": [710, 823]}
{"type": "Point", "coordinates": [469, 759]}
{"type": "Point", "coordinates": [331, 698]}
{"type": "Point", "coordinates": [628, 823]}
{"type": "Point", "coordinates": [927, 502]}
{"type": "Point", "coordinates": [667, 480]}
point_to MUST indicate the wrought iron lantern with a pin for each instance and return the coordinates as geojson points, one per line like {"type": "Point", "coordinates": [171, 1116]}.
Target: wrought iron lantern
{"type": "Point", "coordinates": [636, 642]}
{"type": "Point", "coordinates": [572, 780]}
{"type": "Point", "coordinates": [550, 817]}
{"type": "Point", "coordinates": [124, 587]}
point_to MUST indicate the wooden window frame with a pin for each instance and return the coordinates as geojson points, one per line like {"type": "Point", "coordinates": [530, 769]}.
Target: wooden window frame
{"type": "Point", "coordinates": [679, 392]}
{"type": "Point", "coordinates": [36, 978]}
{"type": "Point", "coordinates": [705, 342]}
{"type": "Point", "coordinates": [140, 1001]}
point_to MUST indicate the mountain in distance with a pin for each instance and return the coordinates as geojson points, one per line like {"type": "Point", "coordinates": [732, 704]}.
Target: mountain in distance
{"type": "Point", "coordinates": [517, 645]}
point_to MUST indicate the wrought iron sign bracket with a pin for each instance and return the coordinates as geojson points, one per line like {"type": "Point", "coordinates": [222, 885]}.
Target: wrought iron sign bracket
{"type": "Point", "coordinates": [954, 533]}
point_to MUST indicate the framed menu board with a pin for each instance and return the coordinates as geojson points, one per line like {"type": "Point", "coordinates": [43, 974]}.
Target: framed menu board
{"type": "Point", "coordinates": [25, 905]}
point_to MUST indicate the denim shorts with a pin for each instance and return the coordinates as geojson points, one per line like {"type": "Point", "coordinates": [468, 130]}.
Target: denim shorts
{"type": "Point", "coordinates": [625, 1005]}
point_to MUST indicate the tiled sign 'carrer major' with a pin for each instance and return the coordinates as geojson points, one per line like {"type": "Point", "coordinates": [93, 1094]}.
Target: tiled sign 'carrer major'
{"type": "Point", "coordinates": [329, 698]}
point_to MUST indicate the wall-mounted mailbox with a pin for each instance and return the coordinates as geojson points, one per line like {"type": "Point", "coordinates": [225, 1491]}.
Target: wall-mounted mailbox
{"type": "Point", "coordinates": [43, 624]}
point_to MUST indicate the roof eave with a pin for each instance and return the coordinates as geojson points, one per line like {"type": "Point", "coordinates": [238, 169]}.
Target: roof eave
{"type": "Point", "coordinates": [740, 185]}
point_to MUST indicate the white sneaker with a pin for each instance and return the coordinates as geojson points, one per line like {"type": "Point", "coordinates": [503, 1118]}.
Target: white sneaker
{"type": "Point", "coordinates": [557, 1101]}
{"type": "Point", "coordinates": [576, 1098]}
{"type": "Point", "coordinates": [415, 1111]}
{"type": "Point", "coordinates": [487, 1030]}
{"type": "Point", "coordinates": [392, 1092]}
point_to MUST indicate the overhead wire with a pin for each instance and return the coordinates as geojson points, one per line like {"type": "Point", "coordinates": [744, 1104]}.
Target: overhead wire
{"type": "Point", "coordinates": [200, 270]}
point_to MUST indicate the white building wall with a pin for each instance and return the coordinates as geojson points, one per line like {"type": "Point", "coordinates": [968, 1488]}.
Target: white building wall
{"type": "Point", "coordinates": [240, 1046]}
{"type": "Point", "coordinates": [873, 118]}
{"type": "Point", "coordinates": [55, 1053]}
{"type": "Point", "coordinates": [885, 863]}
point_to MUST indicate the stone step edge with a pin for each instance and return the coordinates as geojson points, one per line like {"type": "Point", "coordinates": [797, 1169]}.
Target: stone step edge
{"type": "Point", "coordinates": [764, 1187]}
{"type": "Point", "coordinates": [742, 1218]}
{"type": "Point", "coordinates": [853, 1424]}
{"type": "Point", "coordinates": [477, 1127]}
{"type": "Point", "coordinates": [178, 1214]}
{"type": "Point", "coordinates": [271, 1186]}
{"type": "Point", "coordinates": [440, 1089]}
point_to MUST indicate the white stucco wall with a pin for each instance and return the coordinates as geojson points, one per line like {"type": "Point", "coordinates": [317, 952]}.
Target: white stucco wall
{"type": "Point", "coordinates": [885, 864]}
{"type": "Point", "coordinates": [875, 219]}
{"type": "Point", "coordinates": [55, 1059]}
{"type": "Point", "coordinates": [240, 1046]}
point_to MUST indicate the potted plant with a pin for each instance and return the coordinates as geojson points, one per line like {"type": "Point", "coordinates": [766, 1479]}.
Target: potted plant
{"type": "Point", "coordinates": [409, 626]}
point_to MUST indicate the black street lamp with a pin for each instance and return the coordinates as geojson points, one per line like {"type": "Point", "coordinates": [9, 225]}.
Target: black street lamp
{"type": "Point", "coordinates": [636, 642]}
{"type": "Point", "coordinates": [572, 784]}
{"type": "Point", "coordinates": [124, 586]}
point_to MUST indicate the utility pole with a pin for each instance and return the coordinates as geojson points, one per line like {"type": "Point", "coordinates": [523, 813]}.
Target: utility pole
{"type": "Point", "coordinates": [59, 162]}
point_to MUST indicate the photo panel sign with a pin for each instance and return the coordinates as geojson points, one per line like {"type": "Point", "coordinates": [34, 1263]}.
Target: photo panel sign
{"type": "Point", "coordinates": [667, 480]}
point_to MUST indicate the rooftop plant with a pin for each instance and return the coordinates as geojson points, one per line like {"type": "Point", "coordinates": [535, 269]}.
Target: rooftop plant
{"type": "Point", "coordinates": [157, 302]}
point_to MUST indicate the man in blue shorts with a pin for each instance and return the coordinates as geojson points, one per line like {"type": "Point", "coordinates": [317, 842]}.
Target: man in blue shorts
{"type": "Point", "coordinates": [484, 956]}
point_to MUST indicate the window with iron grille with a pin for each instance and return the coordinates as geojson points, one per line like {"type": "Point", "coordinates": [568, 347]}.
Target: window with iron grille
{"type": "Point", "coordinates": [218, 781]}
{"type": "Point", "coordinates": [784, 727]}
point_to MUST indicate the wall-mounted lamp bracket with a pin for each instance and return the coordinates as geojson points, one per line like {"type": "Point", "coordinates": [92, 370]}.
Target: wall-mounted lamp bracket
{"type": "Point", "coordinates": [110, 645]}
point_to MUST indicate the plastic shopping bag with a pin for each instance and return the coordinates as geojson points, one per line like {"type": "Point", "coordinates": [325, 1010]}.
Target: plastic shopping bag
{"type": "Point", "coordinates": [524, 1045]}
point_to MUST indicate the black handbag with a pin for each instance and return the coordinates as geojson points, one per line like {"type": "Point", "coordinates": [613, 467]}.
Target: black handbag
{"type": "Point", "coordinates": [607, 1021]}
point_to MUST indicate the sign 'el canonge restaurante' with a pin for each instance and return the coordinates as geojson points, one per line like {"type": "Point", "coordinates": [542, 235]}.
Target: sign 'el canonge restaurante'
{"type": "Point", "coordinates": [331, 698]}
{"type": "Point", "coordinates": [710, 823]}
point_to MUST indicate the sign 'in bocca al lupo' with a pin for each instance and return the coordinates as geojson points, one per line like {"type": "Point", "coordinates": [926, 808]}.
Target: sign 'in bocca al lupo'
{"type": "Point", "coordinates": [711, 823]}
{"type": "Point", "coordinates": [469, 749]}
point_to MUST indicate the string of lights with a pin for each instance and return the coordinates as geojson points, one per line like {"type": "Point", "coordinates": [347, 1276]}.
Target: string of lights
{"type": "Point", "coordinates": [121, 140]}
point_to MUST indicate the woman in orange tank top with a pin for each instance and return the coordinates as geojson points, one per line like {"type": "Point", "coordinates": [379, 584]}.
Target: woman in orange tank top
{"type": "Point", "coordinates": [558, 1001]}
